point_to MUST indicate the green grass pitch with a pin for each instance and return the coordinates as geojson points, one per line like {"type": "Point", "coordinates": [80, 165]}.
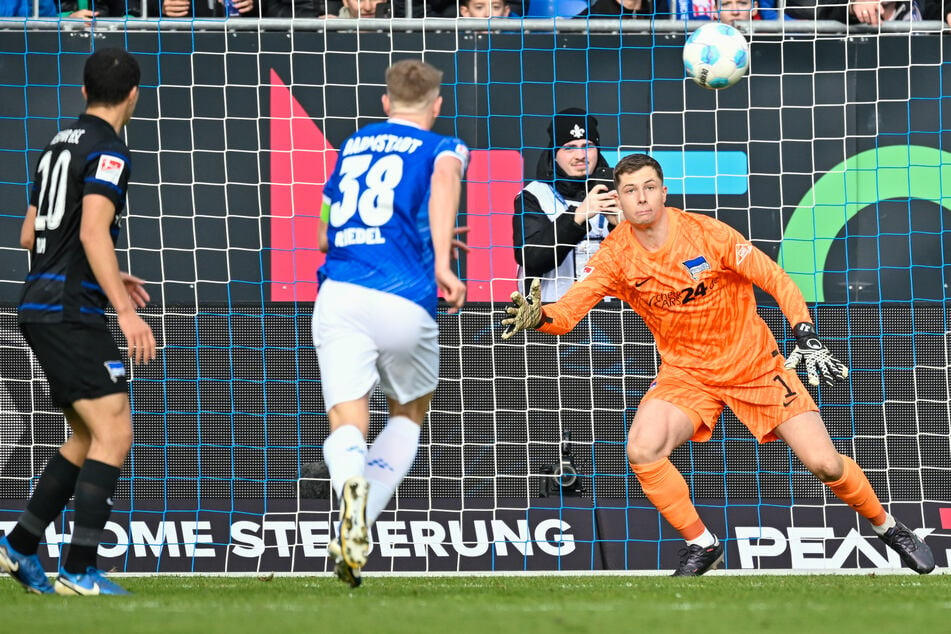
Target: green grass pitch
{"type": "Point", "coordinates": [495, 604]}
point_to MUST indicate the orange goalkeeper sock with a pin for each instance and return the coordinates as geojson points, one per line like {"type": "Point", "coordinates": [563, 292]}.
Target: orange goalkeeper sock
{"type": "Point", "coordinates": [854, 489]}
{"type": "Point", "coordinates": [666, 488]}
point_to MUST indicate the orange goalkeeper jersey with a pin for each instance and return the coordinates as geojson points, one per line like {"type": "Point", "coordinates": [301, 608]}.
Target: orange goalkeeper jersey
{"type": "Point", "coordinates": [695, 294]}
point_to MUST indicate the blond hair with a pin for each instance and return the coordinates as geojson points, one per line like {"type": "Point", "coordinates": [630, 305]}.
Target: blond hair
{"type": "Point", "coordinates": [412, 84]}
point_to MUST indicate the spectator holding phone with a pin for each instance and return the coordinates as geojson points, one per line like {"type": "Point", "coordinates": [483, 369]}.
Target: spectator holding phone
{"type": "Point", "coordinates": [562, 216]}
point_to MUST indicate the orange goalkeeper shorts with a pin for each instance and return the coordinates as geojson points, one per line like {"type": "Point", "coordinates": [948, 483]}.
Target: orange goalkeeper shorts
{"type": "Point", "coordinates": [761, 404]}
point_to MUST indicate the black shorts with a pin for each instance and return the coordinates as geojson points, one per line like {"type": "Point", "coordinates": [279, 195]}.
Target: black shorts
{"type": "Point", "coordinates": [80, 361]}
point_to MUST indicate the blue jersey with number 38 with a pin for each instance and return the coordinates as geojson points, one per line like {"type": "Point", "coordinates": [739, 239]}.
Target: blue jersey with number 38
{"type": "Point", "coordinates": [378, 200]}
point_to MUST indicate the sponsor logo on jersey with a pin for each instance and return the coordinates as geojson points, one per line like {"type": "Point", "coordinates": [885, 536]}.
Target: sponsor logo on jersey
{"type": "Point", "coordinates": [110, 169]}
{"type": "Point", "coordinates": [116, 370]}
{"type": "Point", "coordinates": [743, 250]}
{"type": "Point", "coordinates": [696, 266]}
{"type": "Point", "coordinates": [665, 300]}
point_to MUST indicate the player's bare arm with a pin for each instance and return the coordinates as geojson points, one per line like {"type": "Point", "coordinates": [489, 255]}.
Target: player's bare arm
{"type": "Point", "coordinates": [98, 214]}
{"type": "Point", "coordinates": [322, 243]}
{"type": "Point", "coordinates": [135, 286]}
{"type": "Point", "coordinates": [458, 245]}
{"type": "Point", "coordinates": [446, 187]}
{"type": "Point", "coordinates": [28, 229]}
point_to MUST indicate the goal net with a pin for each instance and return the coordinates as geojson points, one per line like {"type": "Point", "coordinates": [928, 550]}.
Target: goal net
{"type": "Point", "coordinates": [829, 156]}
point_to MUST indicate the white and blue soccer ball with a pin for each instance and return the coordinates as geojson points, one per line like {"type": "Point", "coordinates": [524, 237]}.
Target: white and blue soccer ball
{"type": "Point", "coordinates": [716, 56]}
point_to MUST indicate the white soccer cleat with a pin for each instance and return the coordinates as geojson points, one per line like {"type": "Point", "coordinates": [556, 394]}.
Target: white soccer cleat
{"type": "Point", "coordinates": [354, 533]}
{"type": "Point", "coordinates": [345, 573]}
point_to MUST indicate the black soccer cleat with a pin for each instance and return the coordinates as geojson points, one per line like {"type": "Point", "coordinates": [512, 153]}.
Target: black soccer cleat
{"type": "Point", "coordinates": [696, 560]}
{"type": "Point", "coordinates": [914, 553]}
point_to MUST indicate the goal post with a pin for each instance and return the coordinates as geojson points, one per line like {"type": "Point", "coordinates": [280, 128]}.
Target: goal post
{"type": "Point", "coordinates": [829, 155]}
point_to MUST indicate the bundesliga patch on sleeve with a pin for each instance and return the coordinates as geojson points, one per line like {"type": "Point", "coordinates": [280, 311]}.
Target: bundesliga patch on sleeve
{"type": "Point", "coordinates": [462, 150]}
{"type": "Point", "coordinates": [110, 169]}
{"type": "Point", "coordinates": [743, 250]}
{"type": "Point", "coordinates": [586, 271]}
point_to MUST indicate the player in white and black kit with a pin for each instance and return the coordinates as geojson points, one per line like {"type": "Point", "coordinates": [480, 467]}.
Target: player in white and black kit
{"type": "Point", "coordinates": [71, 228]}
{"type": "Point", "coordinates": [388, 223]}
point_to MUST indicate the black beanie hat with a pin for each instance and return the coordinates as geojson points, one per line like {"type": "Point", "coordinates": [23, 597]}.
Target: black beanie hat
{"type": "Point", "coordinates": [572, 124]}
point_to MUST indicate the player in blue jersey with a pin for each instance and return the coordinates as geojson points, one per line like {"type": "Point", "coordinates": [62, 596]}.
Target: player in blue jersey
{"type": "Point", "coordinates": [71, 228]}
{"type": "Point", "coordinates": [388, 217]}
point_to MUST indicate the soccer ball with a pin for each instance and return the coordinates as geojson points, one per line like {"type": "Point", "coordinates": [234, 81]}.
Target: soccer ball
{"type": "Point", "coordinates": [716, 56]}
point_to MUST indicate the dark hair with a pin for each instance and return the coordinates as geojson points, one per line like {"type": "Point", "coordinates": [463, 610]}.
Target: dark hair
{"type": "Point", "coordinates": [633, 162]}
{"type": "Point", "coordinates": [109, 75]}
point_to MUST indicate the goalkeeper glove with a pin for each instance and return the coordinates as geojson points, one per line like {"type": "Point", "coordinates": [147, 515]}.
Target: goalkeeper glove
{"type": "Point", "coordinates": [526, 312]}
{"type": "Point", "coordinates": [819, 361]}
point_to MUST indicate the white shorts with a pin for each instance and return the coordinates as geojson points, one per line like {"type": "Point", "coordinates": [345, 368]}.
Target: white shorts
{"type": "Point", "coordinates": [364, 337]}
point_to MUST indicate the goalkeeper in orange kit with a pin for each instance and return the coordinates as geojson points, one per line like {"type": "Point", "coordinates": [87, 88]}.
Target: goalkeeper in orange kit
{"type": "Point", "coordinates": [691, 277]}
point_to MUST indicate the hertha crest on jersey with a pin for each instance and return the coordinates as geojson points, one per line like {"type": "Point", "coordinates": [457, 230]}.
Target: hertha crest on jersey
{"type": "Point", "coordinates": [696, 266]}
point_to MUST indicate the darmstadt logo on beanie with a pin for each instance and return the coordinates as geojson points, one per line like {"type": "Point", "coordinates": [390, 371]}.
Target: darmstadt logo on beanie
{"type": "Point", "coordinates": [573, 124]}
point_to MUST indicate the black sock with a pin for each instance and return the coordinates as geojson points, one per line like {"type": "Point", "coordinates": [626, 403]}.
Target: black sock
{"type": "Point", "coordinates": [49, 498]}
{"type": "Point", "coordinates": [94, 489]}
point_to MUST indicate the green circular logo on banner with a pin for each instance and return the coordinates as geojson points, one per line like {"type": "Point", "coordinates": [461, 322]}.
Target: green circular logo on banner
{"type": "Point", "coordinates": [898, 171]}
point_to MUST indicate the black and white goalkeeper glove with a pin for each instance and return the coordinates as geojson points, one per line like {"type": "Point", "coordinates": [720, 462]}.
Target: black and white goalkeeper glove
{"type": "Point", "coordinates": [819, 361]}
{"type": "Point", "coordinates": [525, 312]}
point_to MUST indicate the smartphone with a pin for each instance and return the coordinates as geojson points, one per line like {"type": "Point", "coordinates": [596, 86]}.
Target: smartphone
{"type": "Point", "coordinates": [600, 181]}
{"type": "Point", "coordinates": [602, 175]}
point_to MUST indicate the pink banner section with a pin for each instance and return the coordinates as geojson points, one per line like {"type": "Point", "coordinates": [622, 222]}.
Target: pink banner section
{"type": "Point", "coordinates": [493, 180]}
{"type": "Point", "coordinates": [301, 159]}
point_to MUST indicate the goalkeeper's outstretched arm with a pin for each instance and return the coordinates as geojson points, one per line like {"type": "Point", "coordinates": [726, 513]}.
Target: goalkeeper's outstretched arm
{"type": "Point", "coordinates": [556, 318]}
{"type": "Point", "coordinates": [525, 312]}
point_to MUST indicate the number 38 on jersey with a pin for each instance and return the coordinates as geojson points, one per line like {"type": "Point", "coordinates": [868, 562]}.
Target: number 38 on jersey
{"type": "Point", "coordinates": [373, 202]}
